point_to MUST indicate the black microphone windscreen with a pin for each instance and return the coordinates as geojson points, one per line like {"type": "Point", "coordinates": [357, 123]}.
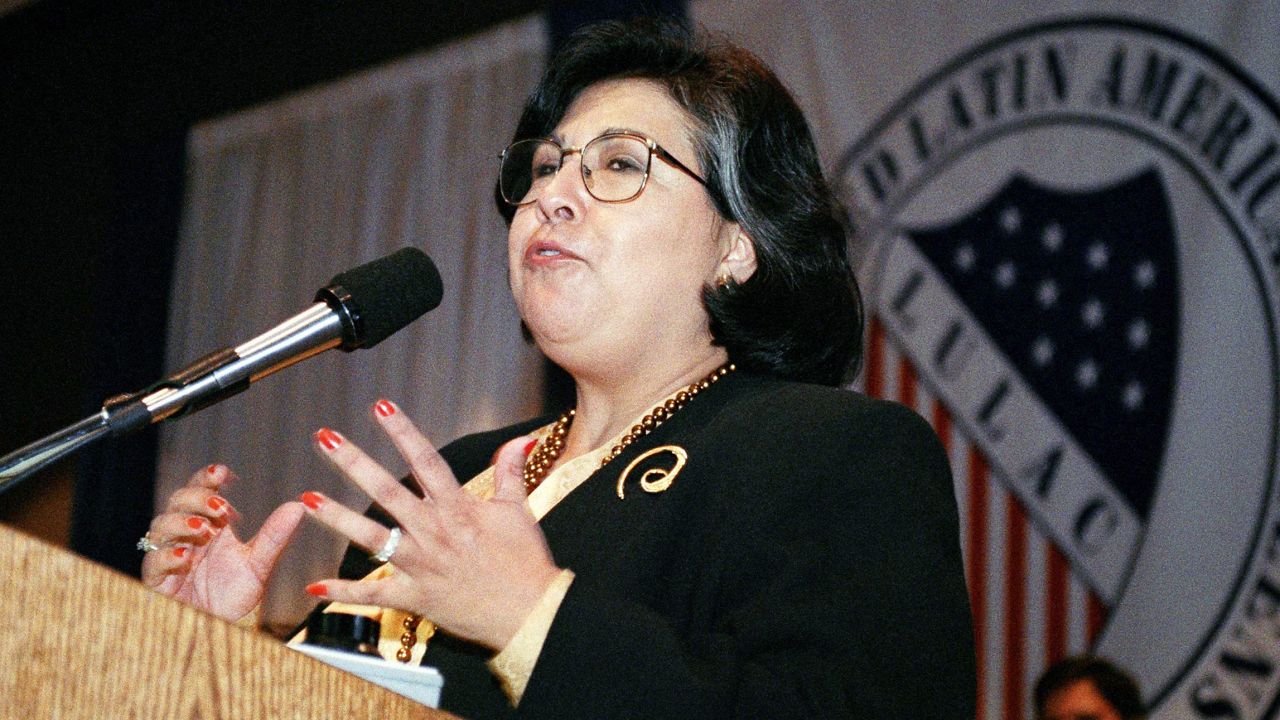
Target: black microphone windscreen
{"type": "Point", "coordinates": [384, 295]}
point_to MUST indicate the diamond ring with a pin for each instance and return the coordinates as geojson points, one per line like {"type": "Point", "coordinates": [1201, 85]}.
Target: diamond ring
{"type": "Point", "coordinates": [389, 547]}
{"type": "Point", "coordinates": [146, 545]}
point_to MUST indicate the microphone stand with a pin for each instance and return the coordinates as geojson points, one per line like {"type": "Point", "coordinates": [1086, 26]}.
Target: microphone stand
{"type": "Point", "coordinates": [336, 320]}
{"type": "Point", "coordinates": [209, 380]}
{"type": "Point", "coordinates": [120, 415]}
{"type": "Point", "coordinates": [23, 462]}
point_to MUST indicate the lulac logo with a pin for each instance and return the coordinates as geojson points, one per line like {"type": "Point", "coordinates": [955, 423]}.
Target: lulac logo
{"type": "Point", "coordinates": [1073, 233]}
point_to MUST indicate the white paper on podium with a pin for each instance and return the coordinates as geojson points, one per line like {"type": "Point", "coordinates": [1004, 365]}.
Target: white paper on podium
{"type": "Point", "coordinates": [418, 683]}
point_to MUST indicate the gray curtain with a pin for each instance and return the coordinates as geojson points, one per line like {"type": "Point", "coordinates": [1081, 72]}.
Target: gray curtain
{"type": "Point", "coordinates": [282, 197]}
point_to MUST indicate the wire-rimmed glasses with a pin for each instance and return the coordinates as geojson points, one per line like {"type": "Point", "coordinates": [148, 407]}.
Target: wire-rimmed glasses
{"type": "Point", "coordinates": [615, 167]}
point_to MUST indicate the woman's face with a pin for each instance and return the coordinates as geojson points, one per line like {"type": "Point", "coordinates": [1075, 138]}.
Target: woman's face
{"type": "Point", "coordinates": [606, 287]}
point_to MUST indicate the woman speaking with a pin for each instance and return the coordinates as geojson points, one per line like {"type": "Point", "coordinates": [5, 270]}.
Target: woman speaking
{"type": "Point", "coordinates": [715, 529]}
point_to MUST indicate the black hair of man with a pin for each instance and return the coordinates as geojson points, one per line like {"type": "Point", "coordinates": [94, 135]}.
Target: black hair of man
{"type": "Point", "coordinates": [1115, 685]}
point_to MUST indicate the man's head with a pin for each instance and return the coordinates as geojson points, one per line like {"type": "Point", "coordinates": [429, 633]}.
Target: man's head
{"type": "Point", "coordinates": [1087, 688]}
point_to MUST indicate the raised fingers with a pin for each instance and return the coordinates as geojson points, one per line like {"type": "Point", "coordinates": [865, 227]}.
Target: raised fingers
{"type": "Point", "coordinates": [370, 477]}
{"type": "Point", "coordinates": [429, 468]}
{"type": "Point", "coordinates": [161, 564]}
{"type": "Point", "coordinates": [509, 470]}
{"type": "Point", "coordinates": [389, 592]}
{"type": "Point", "coordinates": [360, 530]}
{"type": "Point", "coordinates": [170, 529]}
{"type": "Point", "coordinates": [273, 536]}
{"type": "Point", "coordinates": [203, 501]}
{"type": "Point", "coordinates": [211, 476]}
{"type": "Point", "coordinates": [351, 591]}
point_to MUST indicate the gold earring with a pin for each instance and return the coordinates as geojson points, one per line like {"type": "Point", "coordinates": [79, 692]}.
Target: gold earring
{"type": "Point", "coordinates": [724, 279]}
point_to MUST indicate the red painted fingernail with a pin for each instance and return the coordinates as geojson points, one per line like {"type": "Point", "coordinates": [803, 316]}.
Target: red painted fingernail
{"type": "Point", "coordinates": [179, 552]}
{"type": "Point", "coordinates": [530, 446]}
{"type": "Point", "coordinates": [329, 439]}
{"type": "Point", "coordinates": [317, 589]}
{"type": "Point", "coordinates": [211, 469]}
{"type": "Point", "coordinates": [195, 523]}
{"type": "Point", "coordinates": [384, 408]}
{"type": "Point", "coordinates": [215, 503]}
{"type": "Point", "coordinates": [312, 500]}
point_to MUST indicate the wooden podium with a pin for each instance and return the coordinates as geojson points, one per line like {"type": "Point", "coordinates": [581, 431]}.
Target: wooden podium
{"type": "Point", "coordinates": [82, 641]}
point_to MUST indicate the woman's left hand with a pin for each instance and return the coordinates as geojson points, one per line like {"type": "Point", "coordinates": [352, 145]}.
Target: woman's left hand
{"type": "Point", "coordinates": [474, 567]}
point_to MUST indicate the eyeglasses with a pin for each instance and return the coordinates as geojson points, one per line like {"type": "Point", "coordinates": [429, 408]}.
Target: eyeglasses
{"type": "Point", "coordinates": [615, 167]}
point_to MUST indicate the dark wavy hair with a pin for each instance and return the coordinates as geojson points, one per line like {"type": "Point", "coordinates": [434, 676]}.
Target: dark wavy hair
{"type": "Point", "coordinates": [1115, 686]}
{"type": "Point", "coordinates": [799, 317]}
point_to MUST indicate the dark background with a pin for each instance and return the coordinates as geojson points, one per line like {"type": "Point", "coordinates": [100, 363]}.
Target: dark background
{"type": "Point", "coordinates": [95, 103]}
{"type": "Point", "coordinates": [96, 100]}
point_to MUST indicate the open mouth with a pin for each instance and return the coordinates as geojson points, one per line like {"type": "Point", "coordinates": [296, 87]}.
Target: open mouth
{"type": "Point", "coordinates": [546, 250]}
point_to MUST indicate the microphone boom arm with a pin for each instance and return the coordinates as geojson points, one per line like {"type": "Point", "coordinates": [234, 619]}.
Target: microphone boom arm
{"type": "Point", "coordinates": [357, 309]}
{"type": "Point", "coordinates": [211, 379]}
{"type": "Point", "coordinates": [21, 463]}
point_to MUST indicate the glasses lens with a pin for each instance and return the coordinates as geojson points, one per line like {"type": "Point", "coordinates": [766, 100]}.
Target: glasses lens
{"type": "Point", "coordinates": [527, 166]}
{"type": "Point", "coordinates": [614, 167]}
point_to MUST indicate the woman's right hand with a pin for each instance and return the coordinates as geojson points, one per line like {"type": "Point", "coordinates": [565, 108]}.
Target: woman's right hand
{"type": "Point", "coordinates": [201, 562]}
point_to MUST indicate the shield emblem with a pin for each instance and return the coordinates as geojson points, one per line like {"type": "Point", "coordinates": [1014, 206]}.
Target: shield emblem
{"type": "Point", "coordinates": [1078, 290]}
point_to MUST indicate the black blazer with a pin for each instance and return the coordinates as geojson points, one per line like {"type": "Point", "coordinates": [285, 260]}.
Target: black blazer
{"type": "Point", "coordinates": [805, 563]}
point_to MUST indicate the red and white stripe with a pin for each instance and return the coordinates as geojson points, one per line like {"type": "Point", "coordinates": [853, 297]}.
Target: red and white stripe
{"type": "Point", "coordinates": [1029, 608]}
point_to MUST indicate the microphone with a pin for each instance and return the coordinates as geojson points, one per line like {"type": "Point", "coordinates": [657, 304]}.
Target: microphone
{"type": "Point", "coordinates": [359, 308]}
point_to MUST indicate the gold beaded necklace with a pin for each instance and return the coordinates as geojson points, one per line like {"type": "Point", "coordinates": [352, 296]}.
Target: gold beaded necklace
{"type": "Point", "coordinates": [539, 463]}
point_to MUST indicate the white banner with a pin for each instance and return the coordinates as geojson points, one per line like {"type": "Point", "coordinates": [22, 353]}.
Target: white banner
{"type": "Point", "coordinates": [1070, 247]}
